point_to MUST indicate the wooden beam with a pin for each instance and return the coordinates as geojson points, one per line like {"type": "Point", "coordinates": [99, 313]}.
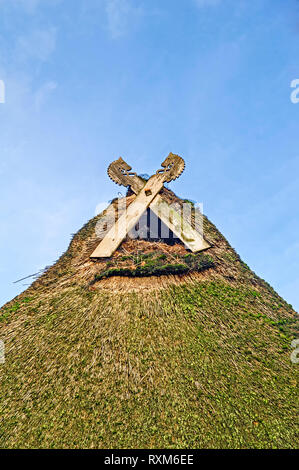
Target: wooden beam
{"type": "Point", "coordinates": [179, 226]}
{"type": "Point", "coordinates": [147, 196]}
{"type": "Point", "coordinates": [193, 240]}
{"type": "Point", "coordinates": [120, 172]}
{"type": "Point", "coordinates": [126, 222]}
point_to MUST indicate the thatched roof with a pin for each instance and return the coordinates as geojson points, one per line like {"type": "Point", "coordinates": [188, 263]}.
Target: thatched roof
{"type": "Point", "coordinates": [169, 358]}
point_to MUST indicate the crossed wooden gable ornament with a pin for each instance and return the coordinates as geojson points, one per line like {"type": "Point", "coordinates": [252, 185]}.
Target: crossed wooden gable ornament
{"type": "Point", "coordinates": [147, 196]}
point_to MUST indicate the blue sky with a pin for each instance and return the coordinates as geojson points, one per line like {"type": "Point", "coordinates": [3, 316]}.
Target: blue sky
{"type": "Point", "coordinates": [88, 81]}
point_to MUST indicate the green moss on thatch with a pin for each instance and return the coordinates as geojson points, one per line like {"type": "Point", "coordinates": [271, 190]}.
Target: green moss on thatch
{"type": "Point", "coordinates": [156, 266]}
{"type": "Point", "coordinates": [200, 363]}
{"type": "Point", "coordinates": [126, 370]}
